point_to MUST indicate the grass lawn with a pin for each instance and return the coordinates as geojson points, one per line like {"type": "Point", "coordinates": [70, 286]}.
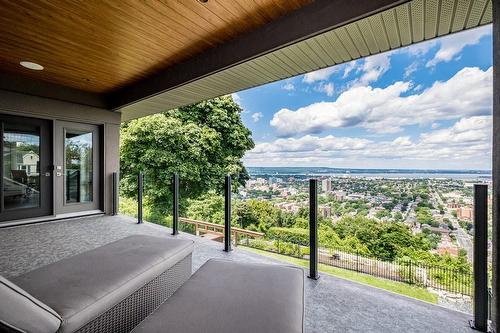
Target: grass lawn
{"type": "Point", "coordinates": [393, 286]}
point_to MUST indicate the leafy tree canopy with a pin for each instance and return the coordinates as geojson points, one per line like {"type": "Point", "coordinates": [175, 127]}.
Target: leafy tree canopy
{"type": "Point", "coordinates": [201, 142]}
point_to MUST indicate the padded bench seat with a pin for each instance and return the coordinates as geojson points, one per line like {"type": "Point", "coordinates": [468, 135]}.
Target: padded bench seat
{"type": "Point", "coordinates": [226, 297]}
{"type": "Point", "coordinates": [84, 287]}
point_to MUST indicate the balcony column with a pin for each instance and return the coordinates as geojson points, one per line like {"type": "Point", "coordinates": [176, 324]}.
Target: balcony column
{"type": "Point", "coordinates": [313, 229]}
{"type": "Point", "coordinates": [175, 204]}
{"type": "Point", "coordinates": [495, 315]}
{"type": "Point", "coordinates": [115, 202]}
{"type": "Point", "coordinates": [140, 178]}
{"type": "Point", "coordinates": [227, 214]}
{"type": "Point", "coordinates": [480, 322]}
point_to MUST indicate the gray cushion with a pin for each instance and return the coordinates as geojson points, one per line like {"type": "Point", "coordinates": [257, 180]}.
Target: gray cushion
{"type": "Point", "coordinates": [225, 296]}
{"type": "Point", "coordinates": [82, 287]}
{"type": "Point", "coordinates": [21, 312]}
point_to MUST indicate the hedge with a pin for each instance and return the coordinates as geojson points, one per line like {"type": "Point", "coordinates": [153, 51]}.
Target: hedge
{"type": "Point", "coordinates": [290, 235]}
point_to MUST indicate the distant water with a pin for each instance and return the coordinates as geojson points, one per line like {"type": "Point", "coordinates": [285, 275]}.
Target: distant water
{"type": "Point", "coordinates": [382, 173]}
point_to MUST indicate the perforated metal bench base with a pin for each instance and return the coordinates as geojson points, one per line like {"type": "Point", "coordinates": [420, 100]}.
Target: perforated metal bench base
{"type": "Point", "coordinates": [127, 314]}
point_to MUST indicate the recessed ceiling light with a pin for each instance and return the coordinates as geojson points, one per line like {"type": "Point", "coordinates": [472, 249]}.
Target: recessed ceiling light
{"type": "Point", "coordinates": [31, 65]}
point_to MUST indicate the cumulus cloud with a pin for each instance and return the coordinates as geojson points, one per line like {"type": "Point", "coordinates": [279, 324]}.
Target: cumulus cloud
{"type": "Point", "coordinates": [256, 116]}
{"type": "Point", "coordinates": [369, 70]}
{"type": "Point", "coordinates": [412, 68]}
{"type": "Point", "coordinates": [466, 144]}
{"type": "Point", "coordinates": [387, 110]}
{"type": "Point", "coordinates": [467, 131]}
{"type": "Point", "coordinates": [288, 86]}
{"type": "Point", "coordinates": [374, 67]}
{"type": "Point", "coordinates": [418, 88]}
{"type": "Point", "coordinates": [420, 49]}
{"type": "Point", "coordinates": [326, 88]}
{"type": "Point", "coordinates": [402, 141]}
{"type": "Point", "coordinates": [320, 75]}
{"type": "Point", "coordinates": [311, 143]}
{"type": "Point", "coordinates": [452, 45]}
{"type": "Point", "coordinates": [349, 67]}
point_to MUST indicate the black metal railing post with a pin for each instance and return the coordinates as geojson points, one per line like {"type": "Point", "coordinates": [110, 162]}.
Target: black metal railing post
{"type": "Point", "coordinates": [480, 322]}
{"type": "Point", "coordinates": [357, 260]}
{"type": "Point", "coordinates": [175, 204]}
{"type": "Point", "coordinates": [140, 178]}
{"type": "Point", "coordinates": [227, 214]}
{"type": "Point", "coordinates": [313, 229]}
{"type": "Point", "coordinates": [114, 204]}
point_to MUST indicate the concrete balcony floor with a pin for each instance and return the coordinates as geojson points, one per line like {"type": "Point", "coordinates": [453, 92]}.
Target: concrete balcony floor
{"type": "Point", "coordinates": [332, 304]}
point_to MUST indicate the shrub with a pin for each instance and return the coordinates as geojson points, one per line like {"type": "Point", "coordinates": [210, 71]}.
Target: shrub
{"type": "Point", "coordinates": [289, 235]}
{"type": "Point", "coordinates": [260, 244]}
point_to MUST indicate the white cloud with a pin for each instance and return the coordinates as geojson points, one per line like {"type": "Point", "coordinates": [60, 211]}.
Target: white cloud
{"type": "Point", "coordinates": [288, 86]}
{"type": "Point", "coordinates": [467, 131]}
{"type": "Point", "coordinates": [349, 67]}
{"type": "Point", "coordinates": [418, 88]}
{"type": "Point", "coordinates": [320, 75]}
{"type": "Point", "coordinates": [370, 70]}
{"type": "Point", "coordinates": [402, 141]}
{"type": "Point", "coordinates": [420, 49]}
{"type": "Point", "coordinates": [236, 98]}
{"type": "Point", "coordinates": [409, 70]}
{"type": "Point", "coordinates": [256, 116]}
{"type": "Point", "coordinates": [311, 143]}
{"type": "Point", "coordinates": [326, 88]}
{"type": "Point", "coordinates": [385, 110]}
{"type": "Point", "coordinates": [452, 45]}
{"type": "Point", "coordinates": [466, 144]}
{"type": "Point", "coordinates": [373, 68]}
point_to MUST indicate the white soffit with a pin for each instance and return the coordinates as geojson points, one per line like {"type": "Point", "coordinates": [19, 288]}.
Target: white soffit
{"type": "Point", "coordinates": [406, 24]}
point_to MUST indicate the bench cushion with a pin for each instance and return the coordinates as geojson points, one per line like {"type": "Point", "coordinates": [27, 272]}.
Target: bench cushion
{"type": "Point", "coordinates": [225, 297]}
{"type": "Point", "coordinates": [21, 312]}
{"type": "Point", "coordinates": [82, 287]}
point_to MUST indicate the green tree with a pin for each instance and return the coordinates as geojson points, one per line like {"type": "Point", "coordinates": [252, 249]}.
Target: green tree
{"type": "Point", "coordinates": [209, 208]}
{"type": "Point", "coordinates": [201, 142]}
{"type": "Point", "coordinates": [382, 213]}
{"type": "Point", "coordinates": [424, 216]}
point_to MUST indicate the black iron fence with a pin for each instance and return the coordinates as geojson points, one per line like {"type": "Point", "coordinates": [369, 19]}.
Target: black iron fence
{"type": "Point", "coordinates": [438, 277]}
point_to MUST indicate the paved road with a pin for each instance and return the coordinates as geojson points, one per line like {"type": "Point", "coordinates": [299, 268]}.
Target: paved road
{"type": "Point", "coordinates": [464, 240]}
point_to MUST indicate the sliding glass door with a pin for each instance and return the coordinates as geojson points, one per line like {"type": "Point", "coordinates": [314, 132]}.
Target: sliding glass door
{"type": "Point", "coordinates": [26, 185]}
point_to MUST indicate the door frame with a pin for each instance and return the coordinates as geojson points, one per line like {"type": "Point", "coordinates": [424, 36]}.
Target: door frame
{"type": "Point", "coordinates": [59, 157]}
{"type": "Point", "coordinates": [46, 207]}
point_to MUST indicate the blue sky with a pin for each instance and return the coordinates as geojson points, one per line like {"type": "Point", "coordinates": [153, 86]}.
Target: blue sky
{"type": "Point", "coordinates": [424, 106]}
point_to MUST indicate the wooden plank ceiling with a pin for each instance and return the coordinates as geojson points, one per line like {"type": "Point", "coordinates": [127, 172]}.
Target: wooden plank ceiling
{"type": "Point", "coordinates": [100, 46]}
{"type": "Point", "coordinates": [111, 49]}
{"type": "Point", "coordinates": [406, 24]}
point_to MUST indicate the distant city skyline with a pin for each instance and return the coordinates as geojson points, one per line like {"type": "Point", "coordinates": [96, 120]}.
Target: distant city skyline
{"type": "Point", "coordinates": [427, 106]}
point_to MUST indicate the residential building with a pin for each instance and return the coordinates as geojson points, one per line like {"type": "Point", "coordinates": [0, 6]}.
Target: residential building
{"type": "Point", "coordinates": [447, 246]}
{"type": "Point", "coordinates": [325, 211]}
{"type": "Point", "coordinates": [465, 213]}
{"type": "Point", "coordinates": [340, 195]}
{"type": "Point", "coordinates": [326, 185]}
